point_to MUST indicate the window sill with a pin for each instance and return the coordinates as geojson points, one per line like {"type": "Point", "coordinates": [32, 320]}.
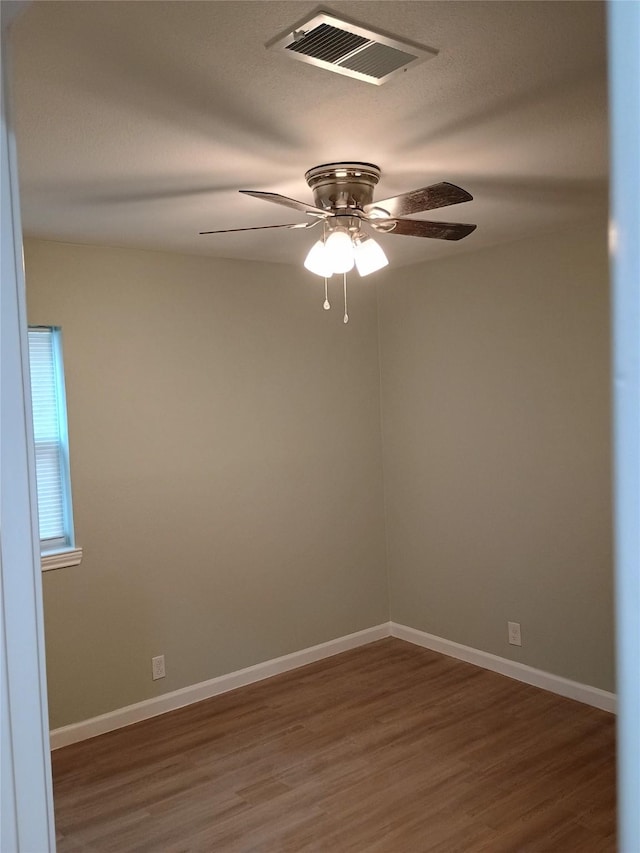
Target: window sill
{"type": "Point", "coordinates": [61, 559]}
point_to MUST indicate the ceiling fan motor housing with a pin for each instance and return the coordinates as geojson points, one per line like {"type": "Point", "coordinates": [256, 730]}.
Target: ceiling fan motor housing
{"type": "Point", "coordinates": [337, 186]}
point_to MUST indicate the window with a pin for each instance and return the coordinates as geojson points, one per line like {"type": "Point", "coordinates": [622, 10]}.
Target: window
{"type": "Point", "coordinates": [57, 545]}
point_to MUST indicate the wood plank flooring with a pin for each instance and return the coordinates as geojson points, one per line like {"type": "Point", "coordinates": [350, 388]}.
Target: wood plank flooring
{"type": "Point", "coordinates": [388, 748]}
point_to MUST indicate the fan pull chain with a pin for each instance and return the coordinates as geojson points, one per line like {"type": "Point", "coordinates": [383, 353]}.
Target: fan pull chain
{"type": "Point", "coordinates": [344, 284]}
{"type": "Point", "coordinates": [326, 305]}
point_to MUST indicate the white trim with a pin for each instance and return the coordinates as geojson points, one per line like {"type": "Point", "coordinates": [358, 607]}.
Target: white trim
{"type": "Point", "coordinates": [130, 714]}
{"type": "Point", "coordinates": [512, 669]}
{"type": "Point", "coordinates": [26, 795]}
{"type": "Point", "coordinates": [206, 689]}
{"type": "Point", "coordinates": [624, 126]}
{"type": "Point", "coordinates": [61, 559]}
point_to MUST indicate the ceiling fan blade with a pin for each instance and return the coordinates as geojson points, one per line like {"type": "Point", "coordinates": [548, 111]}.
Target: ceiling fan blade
{"type": "Point", "coordinates": [260, 228]}
{"type": "Point", "coordinates": [417, 201]}
{"type": "Point", "coordinates": [422, 228]}
{"type": "Point", "coordinates": [287, 202]}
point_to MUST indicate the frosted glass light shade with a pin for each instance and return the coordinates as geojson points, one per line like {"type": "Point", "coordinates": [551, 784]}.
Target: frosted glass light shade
{"type": "Point", "coordinates": [317, 260]}
{"type": "Point", "coordinates": [369, 256]}
{"type": "Point", "coordinates": [339, 251]}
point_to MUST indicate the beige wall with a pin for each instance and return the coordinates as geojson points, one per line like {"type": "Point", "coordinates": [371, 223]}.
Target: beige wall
{"type": "Point", "coordinates": [226, 466]}
{"type": "Point", "coordinates": [496, 435]}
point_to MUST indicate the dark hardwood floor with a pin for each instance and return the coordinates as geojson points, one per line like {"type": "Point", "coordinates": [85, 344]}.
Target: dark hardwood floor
{"type": "Point", "coordinates": [388, 748]}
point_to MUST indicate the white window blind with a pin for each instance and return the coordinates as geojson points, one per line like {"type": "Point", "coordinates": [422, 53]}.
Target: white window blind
{"type": "Point", "coordinates": [50, 434]}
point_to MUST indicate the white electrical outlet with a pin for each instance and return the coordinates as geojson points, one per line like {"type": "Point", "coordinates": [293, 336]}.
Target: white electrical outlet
{"type": "Point", "coordinates": [157, 667]}
{"type": "Point", "coordinates": [515, 638]}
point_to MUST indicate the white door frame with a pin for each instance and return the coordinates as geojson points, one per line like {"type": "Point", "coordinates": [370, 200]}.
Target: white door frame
{"type": "Point", "coordinates": [27, 823]}
{"type": "Point", "coordinates": [27, 805]}
{"type": "Point", "coordinates": [624, 98]}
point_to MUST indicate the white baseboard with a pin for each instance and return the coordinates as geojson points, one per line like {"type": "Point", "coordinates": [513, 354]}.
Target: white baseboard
{"type": "Point", "coordinates": [222, 684]}
{"type": "Point", "coordinates": [213, 687]}
{"type": "Point", "coordinates": [513, 669]}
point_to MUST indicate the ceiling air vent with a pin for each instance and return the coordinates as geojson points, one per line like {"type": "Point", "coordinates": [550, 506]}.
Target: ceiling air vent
{"type": "Point", "coordinates": [347, 48]}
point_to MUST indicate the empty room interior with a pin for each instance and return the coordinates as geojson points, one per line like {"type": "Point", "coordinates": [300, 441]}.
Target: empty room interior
{"type": "Point", "coordinates": [361, 523]}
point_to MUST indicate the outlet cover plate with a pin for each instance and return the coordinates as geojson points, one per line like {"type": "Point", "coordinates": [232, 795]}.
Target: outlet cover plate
{"type": "Point", "coordinates": [157, 667]}
{"type": "Point", "coordinates": [515, 638]}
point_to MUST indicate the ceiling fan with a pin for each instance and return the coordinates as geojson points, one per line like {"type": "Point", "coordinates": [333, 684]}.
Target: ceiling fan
{"type": "Point", "coordinates": [343, 203]}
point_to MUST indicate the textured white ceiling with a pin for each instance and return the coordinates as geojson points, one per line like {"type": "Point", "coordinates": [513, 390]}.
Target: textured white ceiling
{"type": "Point", "coordinates": [137, 122]}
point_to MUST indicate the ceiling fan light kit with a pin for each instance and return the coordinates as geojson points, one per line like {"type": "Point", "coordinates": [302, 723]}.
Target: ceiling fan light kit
{"type": "Point", "coordinates": [340, 252]}
{"type": "Point", "coordinates": [343, 202]}
{"type": "Point", "coordinates": [337, 254]}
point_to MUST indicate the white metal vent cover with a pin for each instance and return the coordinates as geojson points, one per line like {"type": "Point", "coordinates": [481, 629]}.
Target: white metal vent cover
{"type": "Point", "coordinates": [350, 49]}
